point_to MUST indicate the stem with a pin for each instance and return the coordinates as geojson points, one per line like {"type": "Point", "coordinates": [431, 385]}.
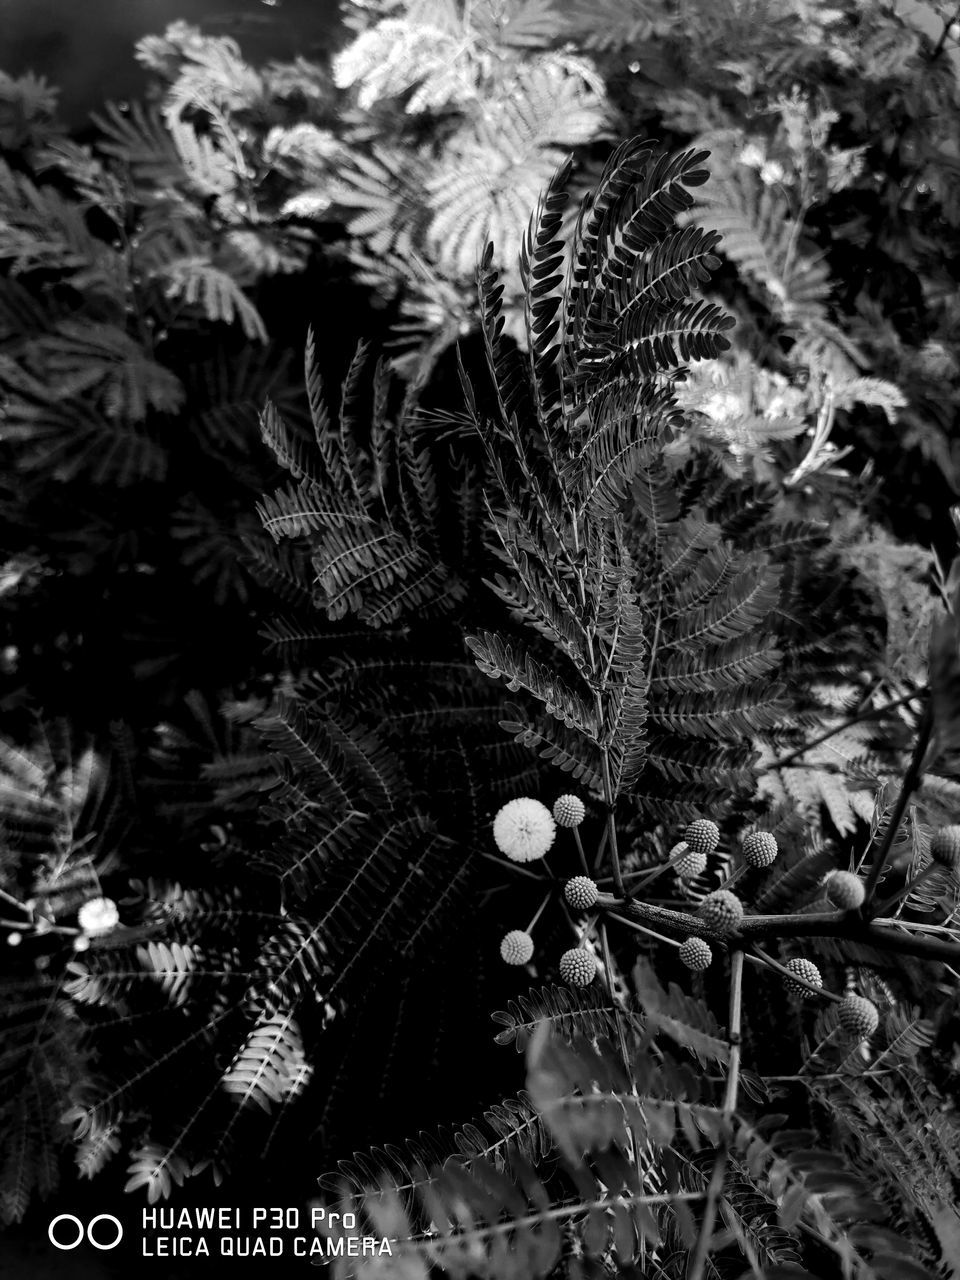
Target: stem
{"type": "Point", "coordinates": [697, 1264]}
{"type": "Point", "coordinates": [640, 929]}
{"type": "Point", "coordinates": [601, 849]}
{"type": "Point", "coordinates": [621, 1039]}
{"type": "Point", "coordinates": [787, 760]}
{"type": "Point", "coordinates": [816, 924]}
{"type": "Point", "coordinates": [539, 913]}
{"type": "Point", "coordinates": [612, 841]}
{"type": "Point", "coordinates": [583, 856]}
{"type": "Point", "coordinates": [907, 889]}
{"type": "Point", "coordinates": [794, 977]}
{"type": "Point", "coordinates": [827, 1039]}
{"type": "Point", "coordinates": [893, 826]}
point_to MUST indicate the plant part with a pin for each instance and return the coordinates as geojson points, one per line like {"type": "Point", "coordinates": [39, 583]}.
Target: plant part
{"type": "Point", "coordinates": [721, 911]}
{"type": "Point", "coordinates": [859, 1018]}
{"type": "Point", "coordinates": [578, 967]}
{"type": "Point", "coordinates": [809, 976]}
{"type": "Point", "coordinates": [702, 836]}
{"type": "Point", "coordinates": [695, 953]}
{"type": "Point", "coordinates": [517, 947]}
{"type": "Point", "coordinates": [945, 847]}
{"type": "Point", "coordinates": [568, 811]}
{"type": "Point", "coordinates": [524, 830]}
{"type": "Point", "coordinates": [845, 890]}
{"type": "Point", "coordinates": [759, 849]}
{"type": "Point", "coordinates": [581, 893]}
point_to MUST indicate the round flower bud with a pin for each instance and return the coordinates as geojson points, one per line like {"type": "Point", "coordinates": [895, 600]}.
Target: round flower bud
{"type": "Point", "coordinates": [845, 890]}
{"type": "Point", "coordinates": [568, 811]}
{"type": "Point", "coordinates": [99, 915]}
{"type": "Point", "coordinates": [858, 1017]}
{"type": "Point", "coordinates": [809, 972]}
{"type": "Point", "coordinates": [14, 939]}
{"type": "Point", "coordinates": [721, 911]}
{"type": "Point", "coordinates": [81, 942]}
{"type": "Point", "coordinates": [945, 847]}
{"type": "Point", "coordinates": [580, 892]}
{"type": "Point", "coordinates": [692, 864]}
{"type": "Point", "coordinates": [578, 967]}
{"type": "Point", "coordinates": [516, 947]}
{"type": "Point", "coordinates": [759, 849]}
{"type": "Point", "coordinates": [702, 835]}
{"type": "Point", "coordinates": [524, 830]}
{"type": "Point", "coordinates": [695, 954]}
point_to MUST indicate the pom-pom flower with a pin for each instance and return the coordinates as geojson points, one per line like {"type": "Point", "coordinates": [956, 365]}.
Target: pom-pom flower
{"type": "Point", "coordinates": [721, 911]}
{"type": "Point", "coordinates": [578, 967]}
{"type": "Point", "coordinates": [702, 835]}
{"type": "Point", "coordinates": [945, 847]}
{"type": "Point", "coordinates": [759, 849]}
{"type": "Point", "coordinates": [692, 864]}
{"type": "Point", "coordinates": [580, 892]}
{"type": "Point", "coordinates": [845, 890]}
{"type": "Point", "coordinates": [695, 954]}
{"type": "Point", "coordinates": [568, 811]}
{"type": "Point", "coordinates": [524, 829]}
{"type": "Point", "coordinates": [858, 1017]}
{"type": "Point", "coordinates": [809, 972]}
{"type": "Point", "coordinates": [516, 947]}
{"type": "Point", "coordinates": [99, 915]}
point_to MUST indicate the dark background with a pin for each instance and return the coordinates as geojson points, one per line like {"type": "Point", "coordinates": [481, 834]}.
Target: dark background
{"type": "Point", "coordinates": [85, 47]}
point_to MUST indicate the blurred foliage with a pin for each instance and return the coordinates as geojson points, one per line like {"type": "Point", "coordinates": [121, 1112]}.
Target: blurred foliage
{"type": "Point", "coordinates": [159, 271]}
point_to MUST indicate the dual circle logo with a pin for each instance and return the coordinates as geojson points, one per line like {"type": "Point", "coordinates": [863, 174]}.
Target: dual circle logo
{"type": "Point", "coordinates": [60, 1236]}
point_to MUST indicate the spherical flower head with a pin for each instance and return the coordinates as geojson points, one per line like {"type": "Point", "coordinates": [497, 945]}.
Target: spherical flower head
{"type": "Point", "coordinates": [759, 849]}
{"type": "Point", "coordinates": [14, 939]}
{"type": "Point", "coordinates": [692, 864]}
{"type": "Point", "coordinates": [809, 972]}
{"type": "Point", "coordinates": [568, 811]}
{"type": "Point", "coordinates": [721, 911]}
{"type": "Point", "coordinates": [845, 890]}
{"type": "Point", "coordinates": [524, 830]}
{"type": "Point", "coordinates": [858, 1017]}
{"type": "Point", "coordinates": [81, 942]}
{"type": "Point", "coordinates": [696, 954]}
{"type": "Point", "coordinates": [578, 967]}
{"type": "Point", "coordinates": [945, 847]}
{"type": "Point", "coordinates": [581, 892]}
{"type": "Point", "coordinates": [516, 947]}
{"type": "Point", "coordinates": [702, 835]}
{"type": "Point", "coordinates": [99, 915]}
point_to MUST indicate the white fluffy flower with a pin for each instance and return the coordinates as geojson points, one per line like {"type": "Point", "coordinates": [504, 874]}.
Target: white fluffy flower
{"type": "Point", "coordinates": [524, 829]}
{"type": "Point", "coordinates": [752, 155]}
{"type": "Point", "coordinates": [99, 915]}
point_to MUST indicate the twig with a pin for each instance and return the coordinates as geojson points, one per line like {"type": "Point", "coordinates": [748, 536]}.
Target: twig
{"type": "Point", "coordinates": [907, 889]}
{"type": "Point", "coordinates": [583, 856]}
{"type": "Point", "coordinates": [621, 1038]}
{"type": "Point", "coordinates": [816, 924]}
{"type": "Point", "coordinates": [910, 782]}
{"type": "Point", "coordinates": [698, 1261]}
{"type": "Point", "coordinates": [794, 977]}
{"type": "Point", "coordinates": [872, 714]}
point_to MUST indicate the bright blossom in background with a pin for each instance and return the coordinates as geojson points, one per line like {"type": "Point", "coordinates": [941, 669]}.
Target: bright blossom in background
{"type": "Point", "coordinates": [524, 829]}
{"type": "Point", "coordinates": [99, 915]}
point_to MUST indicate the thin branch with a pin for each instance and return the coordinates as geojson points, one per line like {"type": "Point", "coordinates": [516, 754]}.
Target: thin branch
{"type": "Point", "coordinates": [625, 1056]}
{"type": "Point", "coordinates": [910, 782]}
{"type": "Point", "coordinates": [872, 714]}
{"type": "Point", "coordinates": [698, 1261]}
{"type": "Point", "coordinates": [816, 924]}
